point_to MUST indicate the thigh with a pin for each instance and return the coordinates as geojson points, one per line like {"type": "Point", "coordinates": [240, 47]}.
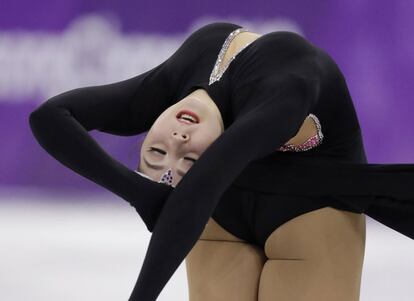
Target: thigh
{"type": "Point", "coordinates": [224, 267]}
{"type": "Point", "coordinates": [315, 256]}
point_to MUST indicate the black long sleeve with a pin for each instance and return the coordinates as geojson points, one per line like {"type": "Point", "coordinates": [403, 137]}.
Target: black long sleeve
{"type": "Point", "coordinates": [128, 107]}
{"type": "Point", "coordinates": [282, 103]}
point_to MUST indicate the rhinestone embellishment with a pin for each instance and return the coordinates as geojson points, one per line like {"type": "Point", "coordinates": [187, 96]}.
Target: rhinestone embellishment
{"type": "Point", "coordinates": [166, 178]}
{"type": "Point", "coordinates": [218, 71]}
{"type": "Point", "coordinates": [312, 142]}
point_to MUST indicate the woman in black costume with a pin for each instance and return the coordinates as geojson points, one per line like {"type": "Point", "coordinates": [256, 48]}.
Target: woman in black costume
{"type": "Point", "coordinates": [264, 97]}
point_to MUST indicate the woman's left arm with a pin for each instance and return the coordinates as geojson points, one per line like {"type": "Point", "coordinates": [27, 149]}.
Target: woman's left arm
{"type": "Point", "coordinates": [283, 101]}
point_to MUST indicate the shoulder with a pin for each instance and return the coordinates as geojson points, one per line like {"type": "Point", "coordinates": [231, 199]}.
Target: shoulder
{"type": "Point", "coordinates": [214, 27]}
{"type": "Point", "coordinates": [211, 30]}
{"type": "Point", "coordinates": [290, 43]}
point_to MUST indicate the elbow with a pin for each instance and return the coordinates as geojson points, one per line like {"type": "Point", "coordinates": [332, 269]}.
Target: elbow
{"type": "Point", "coordinates": [44, 113]}
{"type": "Point", "coordinates": [41, 121]}
{"type": "Point", "coordinates": [36, 122]}
{"type": "Point", "coordinates": [37, 117]}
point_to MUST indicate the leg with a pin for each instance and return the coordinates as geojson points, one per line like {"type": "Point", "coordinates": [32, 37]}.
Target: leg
{"type": "Point", "coordinates": [222, 267]}
{"type": "Point", "coordinates": [315, 256]}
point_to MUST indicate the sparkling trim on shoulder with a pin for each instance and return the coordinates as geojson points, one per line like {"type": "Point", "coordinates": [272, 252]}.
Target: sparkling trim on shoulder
{"type": "Point", "coordinates": [218, 72]}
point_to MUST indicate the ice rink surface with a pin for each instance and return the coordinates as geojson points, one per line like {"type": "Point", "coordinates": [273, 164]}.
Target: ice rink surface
{"type": "Point", "coordinates": [92, 248]}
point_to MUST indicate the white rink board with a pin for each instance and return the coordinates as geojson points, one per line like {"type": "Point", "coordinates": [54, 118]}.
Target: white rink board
{"type": "Point", "coordinates": [60, 248]}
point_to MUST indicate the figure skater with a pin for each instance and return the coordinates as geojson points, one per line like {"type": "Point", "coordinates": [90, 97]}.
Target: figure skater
{"type": "Point", "coordinates": [257, 133]}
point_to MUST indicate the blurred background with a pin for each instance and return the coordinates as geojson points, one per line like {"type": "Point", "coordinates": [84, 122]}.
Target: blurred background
{"type": "Point", "coordinates": [65, 238]}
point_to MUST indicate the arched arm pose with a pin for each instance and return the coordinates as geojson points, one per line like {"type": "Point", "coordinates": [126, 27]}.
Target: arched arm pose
{"type": "Point", "coordinates": [272, 86]}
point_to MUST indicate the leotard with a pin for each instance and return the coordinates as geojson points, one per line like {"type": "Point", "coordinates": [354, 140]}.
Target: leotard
{"type": "Point", "coordinates": [264, 95]}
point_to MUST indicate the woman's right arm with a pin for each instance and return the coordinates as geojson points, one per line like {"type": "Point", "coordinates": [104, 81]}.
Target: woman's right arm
{"type": "Point", "coordinates": [128, 107]}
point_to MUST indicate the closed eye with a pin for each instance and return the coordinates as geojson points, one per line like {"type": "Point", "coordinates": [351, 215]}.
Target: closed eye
{"type": "Point", "coordinates": [157, 150]}
{"type": "Point", "coordinates": [164, 152]}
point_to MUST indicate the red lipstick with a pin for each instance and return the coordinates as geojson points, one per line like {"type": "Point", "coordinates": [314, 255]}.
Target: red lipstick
{"type": "Point", "coordinates": [192, 114]}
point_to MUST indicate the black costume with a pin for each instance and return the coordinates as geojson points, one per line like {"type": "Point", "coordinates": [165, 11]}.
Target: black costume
{"type": "Point", "coordinates": [264, 96]}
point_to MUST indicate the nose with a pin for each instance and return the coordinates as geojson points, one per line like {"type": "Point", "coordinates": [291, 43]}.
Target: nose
{"type": "Point", "coordinates": [184, 137]}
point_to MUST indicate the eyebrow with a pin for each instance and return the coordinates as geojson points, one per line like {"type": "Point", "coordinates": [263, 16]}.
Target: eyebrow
{"type": "Point", "coordinates": [158, 167]}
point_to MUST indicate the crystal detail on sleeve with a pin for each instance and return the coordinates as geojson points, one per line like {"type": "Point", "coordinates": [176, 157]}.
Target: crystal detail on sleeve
{"type": "Point", "coordinates": [312, 142]}
{"type": "Point", "coordinates": [218, 71]}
